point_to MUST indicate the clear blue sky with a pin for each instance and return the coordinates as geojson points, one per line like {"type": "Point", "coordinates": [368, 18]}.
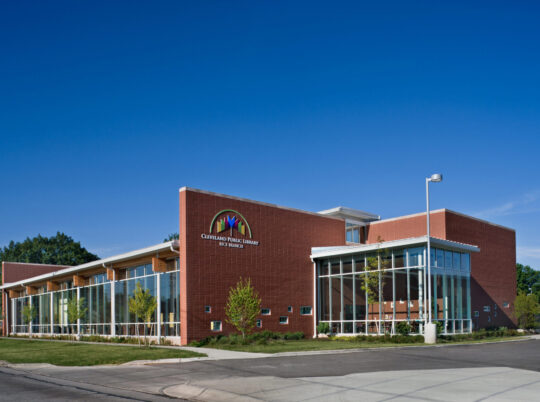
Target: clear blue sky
{"type": "Point", "coordinates": [107, 108]}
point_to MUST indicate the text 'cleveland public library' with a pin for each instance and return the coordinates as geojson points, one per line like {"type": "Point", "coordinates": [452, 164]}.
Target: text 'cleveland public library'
{"type": "Point", "coordinates": [308, 268]}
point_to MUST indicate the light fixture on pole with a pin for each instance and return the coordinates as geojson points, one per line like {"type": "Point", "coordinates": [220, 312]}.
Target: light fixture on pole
{"type": "Point", "coordinates": [431, 329]}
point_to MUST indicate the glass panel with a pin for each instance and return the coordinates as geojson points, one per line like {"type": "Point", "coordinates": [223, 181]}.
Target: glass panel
{"type": "Point", "coordinates": [416, 289]}
{"type": "Point", "coordinates": [348, 298]}
{"type": "Point", "coordinates": [349, 235]}
{"type": "Point", "coordinates": [325, 299]}
{"type": "Point", "coordinates": [457, 261]}
{"type": "Point", "coordinates": [169, 293]}
{"type": "Point", "coordinates": [386, 259]}
{"type": "Point", "coordinates": [416, 256]}
{"type": "Point", "coordinates": [387, 296]}
{"type": "Point", "coordinates": [124, 291]}
{"type": "Point", "coordinates": [336, 298]}
{"type": "Point", "coordinates": [373, 286]}
{"type": "Point", "coordinates": [347, 265]}
{"type": "Point", "coordinates": [439, 297]}
{"type": "Point", "coordinates": [401, 294]}
{"type": "Point", "coordinates": [464, 302]}
{"type": "Point", "coordinates": [323, 268]}
{"type": "Point", "coordinates": [356, 235]}
{"type": "Point", "coordinates": [399, 258]}
{"type": "Point", "coordinates": [465, 262]}
{"type": "Point", "coordinates": [334, 269]}
{"type": "Point", "coordinates": [457, 296]}
{"type": "Point", "coordinates": [448, 259]}
{"type": "Point", "coordinates": [360, 298]}
{"type": "Point", "coordinates": [440, 258]}
{"type": "Point", "coordinates": [359, 263]}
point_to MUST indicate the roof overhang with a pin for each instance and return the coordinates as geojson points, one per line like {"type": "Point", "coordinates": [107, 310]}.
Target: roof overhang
{"type": "Point", "coordinates": [143, 252]}
{"type": "Point", "coordinates": [351, 214]}
{"type": "Point", "coordinates": [324, 252]}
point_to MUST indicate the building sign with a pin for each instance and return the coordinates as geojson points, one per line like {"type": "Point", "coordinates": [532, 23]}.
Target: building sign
{"type": "Point", "coordinates": [230, 229]}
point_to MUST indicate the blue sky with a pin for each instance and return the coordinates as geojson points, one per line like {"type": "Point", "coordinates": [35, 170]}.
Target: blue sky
{"type": "Point", "coordinates": [108, 108]}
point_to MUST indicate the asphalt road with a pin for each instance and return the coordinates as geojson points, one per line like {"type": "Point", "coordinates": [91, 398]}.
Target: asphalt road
{"type": "Point", "coordinates": [17, 385]}
{"type": "Point", "coordinates": [151, 382]}
{"type": "Point", "coordinates": [521, 355]}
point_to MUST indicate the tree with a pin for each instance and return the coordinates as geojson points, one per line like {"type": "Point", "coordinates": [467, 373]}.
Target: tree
{"type": "Point", "coordinates": [528, 280]}
{"type": "Point", "coordinates": [372, 282]}
{"type": "Point", "coordinates": [526, 308]}
{"type": "Point", "coordinates": [76, 310]}
{"type": "Point", "coordinates": [243, 306]}
{"type": "Point", "coordinates": [172, 236]}
{"type": "Point", "coordinates": [28, 314]}
{"type": "Point", "coordinates": [143, 305]}
{"type": "Point", "coordinates": [60, 249]}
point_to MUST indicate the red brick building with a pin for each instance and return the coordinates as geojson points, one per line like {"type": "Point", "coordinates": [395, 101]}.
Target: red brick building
{"type": "Point", "coordinates": [308, 267]}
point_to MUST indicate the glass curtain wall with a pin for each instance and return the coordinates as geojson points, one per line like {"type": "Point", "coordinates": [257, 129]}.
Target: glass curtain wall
{"type": "Point", "coordinates": [97, 299]}
{"type": "Point", "coordinates": [370, 293]}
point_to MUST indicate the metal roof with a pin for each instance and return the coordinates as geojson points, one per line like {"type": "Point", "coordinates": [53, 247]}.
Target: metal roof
{"type": "Point", "coordinates": [352, 214]}
{"type": "Point", "coordinates": [93, 264]}
{"type": "Point", "coordinates": [322, 252]}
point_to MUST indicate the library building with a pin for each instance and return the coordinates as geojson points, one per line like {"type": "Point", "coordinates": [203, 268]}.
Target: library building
{"type": "Point", "coordinates": [351, 269]}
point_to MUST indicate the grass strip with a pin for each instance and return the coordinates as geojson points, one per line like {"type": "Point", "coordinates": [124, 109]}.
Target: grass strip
{"type": "Point", "coordinates": [279, 346]}
{"type": "Point", "coordinates": [80, 354]}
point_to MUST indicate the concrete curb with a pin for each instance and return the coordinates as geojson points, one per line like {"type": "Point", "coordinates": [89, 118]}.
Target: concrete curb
{"type": "Point", "coordinates": [196, 393]}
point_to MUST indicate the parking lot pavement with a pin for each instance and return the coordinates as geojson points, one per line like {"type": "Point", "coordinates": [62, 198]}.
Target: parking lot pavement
{"type": "Point", "coordinates": [496, 371]}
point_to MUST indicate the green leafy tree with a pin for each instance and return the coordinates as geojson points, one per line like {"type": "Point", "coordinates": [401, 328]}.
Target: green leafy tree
{"type": "Point", "coordinates": [142, 304]}
{"type": "Point", "coordinates": [60, 249]}
{"type": "Point", "coordinates": [372, 282]}
{"type": "Point", "coordinates": [172, 236]}
{"type": "Point", "coordinates": [528, 280]}
{"type": "Point", "coordinates": [526, 309]}
{"type": "Point", "coordinates": [76, 310]}
{"type": "Point", "coordinates": [243, 306]}
{"type": "Point", "coordinates": [28, 314]}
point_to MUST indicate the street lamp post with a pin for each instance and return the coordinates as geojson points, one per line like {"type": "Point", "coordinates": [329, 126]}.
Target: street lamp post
{"type": "Point", "coordinates": [430, 335]}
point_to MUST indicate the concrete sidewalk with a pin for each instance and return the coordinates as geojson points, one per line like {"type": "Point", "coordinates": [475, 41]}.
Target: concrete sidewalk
{"type": "Point", "coordinates": [220, 354]}
{"type": "Point", "coordinates": [471, 384]}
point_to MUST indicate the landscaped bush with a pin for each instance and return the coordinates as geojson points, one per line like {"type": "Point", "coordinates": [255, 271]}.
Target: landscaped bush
{"type": "Point", "coordinates": [96, 338]}
{"type": "Point", "coordinates": [440, 327]}
{"type": "Point", "coordinates": [259, 338]}
{"type": "Point", "coordinates": [294, 336]}
{"type": "Point", "coordinates": [481, 334]}
{"type": "Point", "coordinates": [403, 328]}
{"type": "Point", "coordinates": [323, 328]}
{"type": "Point", "coordinates": [381, 339]}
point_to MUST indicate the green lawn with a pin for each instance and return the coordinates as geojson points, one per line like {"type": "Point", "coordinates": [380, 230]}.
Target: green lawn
{"type": "Point", "coordinates": [327, 344]}
{"type": "Point", "coordinates": [80, 354]}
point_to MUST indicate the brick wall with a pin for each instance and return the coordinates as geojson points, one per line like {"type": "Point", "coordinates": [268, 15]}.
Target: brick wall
{"type": "Point", "coordinates": [405, 227]}
{"type": "Point", "coordinates": [279, 267]}
{"type": "Point", "coordinates": [493, 269]}
{"type": "Point", "coordinates": [493, 272]}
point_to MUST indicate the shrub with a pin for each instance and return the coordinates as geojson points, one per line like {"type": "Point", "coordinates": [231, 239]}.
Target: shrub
{"type": "Point", "coordinates": [323, 328]}
{"type": "Point", "coordinates": [294, 336]}
{"type": "Point", "coordinates": [403, 328]}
